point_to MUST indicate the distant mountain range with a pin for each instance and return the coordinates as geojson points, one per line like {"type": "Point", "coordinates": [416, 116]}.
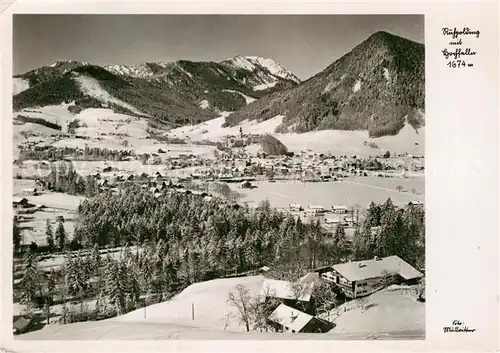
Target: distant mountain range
{"type": "Point", "coordinates": [378, 86]}
{"type": "Point", "coordinates": [182, 92]}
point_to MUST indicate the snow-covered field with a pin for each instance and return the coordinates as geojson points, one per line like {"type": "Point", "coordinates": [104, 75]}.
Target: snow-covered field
{"type": "Point", "coordinates": [392, 310]}
{"type": "Point", "coordinates": [113, 330]}
{"type": "Point", "coordinates": [56, 204]}
{"type": "Point", "coordinates": [57, 114]}
{"type": "Point", "coordinates": [213, 130]}
{"type": "Point", "coordinates": [57, 200]}
{"type": "Point", "coordinates": [106, 129]}
{"type": "Point", "coordinates": [393, 315]}
{"type": "Point", "coordinates": [101, 128]}
{"type": "Point", "coordinates": [326, 141]}
{"type": "Point", "coordinates": [210, 305]}
{"type": "Point", "coordinates": [57, 260]}
{"type": "Point", "coordinates": [33, 225]}
{"type": "Point", "coordinates": [349, 192]}
{"type": "Point", "coordinates": [352, 142]}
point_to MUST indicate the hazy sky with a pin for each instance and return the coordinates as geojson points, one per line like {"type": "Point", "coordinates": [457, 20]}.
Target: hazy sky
{"type": "Point", "coordinates": [303, 44]}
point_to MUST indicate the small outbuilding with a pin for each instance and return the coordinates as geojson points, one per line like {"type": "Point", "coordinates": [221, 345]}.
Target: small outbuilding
{"type": "Point", "coordinates": [288, 319]}
{"type": "Point", "coordinates": [21, 324]}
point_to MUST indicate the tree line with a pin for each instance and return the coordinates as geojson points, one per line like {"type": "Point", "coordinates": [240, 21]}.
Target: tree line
{"type": "Point", "coordinates": [175, 240]}
{"type": "Point", "coordinates": [87, 154]}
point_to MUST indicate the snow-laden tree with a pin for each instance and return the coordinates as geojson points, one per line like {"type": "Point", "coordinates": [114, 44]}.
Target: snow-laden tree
{"type": "Point", "coordinates": [30, 282]}
{"type": "Point", "coordinates": [49, 235]}
{"type": "Point", "coordinates": [115, 290]}
{"type": "Point", "coordinates": [60, 235]}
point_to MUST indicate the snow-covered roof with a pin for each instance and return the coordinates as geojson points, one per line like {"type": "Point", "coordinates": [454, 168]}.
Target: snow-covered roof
{"type": "Point", "coordinates": [360, 270]}
{"type": "Point", "coordinates": [330, 220]}
{"type": "Point", "coordinates": [310, 278]}
{"type": "Point", "coordinates": [289, 317]}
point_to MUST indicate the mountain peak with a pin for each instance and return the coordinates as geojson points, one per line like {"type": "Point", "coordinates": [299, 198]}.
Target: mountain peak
{"type": "Point", "coordinates": [372, 87]}
{"type": "Point", "coordinates": [251, 63]}
{"type": "Point", "coordinates": [59, 63]}
{"type": "Point", "coordinates": [388, 39]}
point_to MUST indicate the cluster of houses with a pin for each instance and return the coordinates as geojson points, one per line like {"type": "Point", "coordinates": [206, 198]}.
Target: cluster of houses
{"type": "Point", "coordinates": [233, 163]}
{"type": "Point", "coordinates": [332, 217]}
{"type": "Point", "coordinates": [296, 311]}
{"type": "Point", "coordinates": [156, 183]}
{"type": "Point", "coordinates": [307, 166]}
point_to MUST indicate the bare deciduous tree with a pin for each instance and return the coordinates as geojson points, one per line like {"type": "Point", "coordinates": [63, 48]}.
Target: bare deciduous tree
{"type": "Point", "coordinates": [385, 279]}
{"type": "Point", "coordinates": [324, 296]}
{"type": "Point", "coordinates": [262, 307]}
{"type": "Point", "coordinates": [421, 290]}
{"type": "Point", "coordinates": [362, 302]}
{"type": "Point", "coordinates": [242, 301]}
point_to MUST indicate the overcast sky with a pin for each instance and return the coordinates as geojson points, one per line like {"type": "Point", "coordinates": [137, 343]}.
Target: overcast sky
{"type": "Point", "coordinates": [303, 44]}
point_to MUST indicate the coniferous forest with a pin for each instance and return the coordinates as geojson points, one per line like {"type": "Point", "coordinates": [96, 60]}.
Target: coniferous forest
{"type": "Point", "coordinates": [175, 240]}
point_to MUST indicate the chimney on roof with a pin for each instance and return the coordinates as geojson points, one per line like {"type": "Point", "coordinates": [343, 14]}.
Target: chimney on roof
{"type": "Point", "coordinates": [375, 258]}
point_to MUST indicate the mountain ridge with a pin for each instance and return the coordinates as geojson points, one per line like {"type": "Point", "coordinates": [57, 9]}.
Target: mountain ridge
{"type": "Point", "coordinates": [377, 86]}
{"type": "Point", "coordinates": [182, 92]}
{"type": "Point", "coordinates": [374, 87]}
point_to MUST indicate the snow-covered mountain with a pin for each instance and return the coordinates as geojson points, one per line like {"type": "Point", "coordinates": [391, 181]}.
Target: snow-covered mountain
{"type": "Point", "coordinates": [378, 86]}
{"type": "Point", "coordinates": [181, 92]}
{"type": "Point", "coordinates": [144, 70]}
{"type": "Point", "coordinates": [267, 71]}
{"type": "Point", "coordinates": [274, 67]}
{"type": "Point", "coordinates": [260, 73]}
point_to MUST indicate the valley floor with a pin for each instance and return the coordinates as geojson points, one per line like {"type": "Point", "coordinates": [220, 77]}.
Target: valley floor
{"type": "Point", "coordinates": [349, 192]}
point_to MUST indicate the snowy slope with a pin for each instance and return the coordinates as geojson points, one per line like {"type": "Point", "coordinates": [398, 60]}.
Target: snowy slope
{"type": "Point", "coordinates": [325, 141]}
{"type": "Point", "coordinates": [113, 330]}
{"type": "Point", "coordinates": [19, 85]}
{"type": "Point", "coordinates": [91, 87]}
{"type": "Point", "coordinates": [213, 130]}
{"type": "Point", "coordinates": [142, 70]}
{"type": "Point", "coordinates": [210, 305]}
{"type": "Point", "coordinates": [264, 86]}
{"type": "Point", "coordinates": [393, 310]}
{"type": "Point", "coordinates": [247, 98]}
{"type": "Point", "coordinates": [275, 68]}
{"type": "Point", "coordinates": [394, 315]}
{"type": "Point", "coordinates": [57, 114]}
{"type": "Point", "coordinates": [268, 72]}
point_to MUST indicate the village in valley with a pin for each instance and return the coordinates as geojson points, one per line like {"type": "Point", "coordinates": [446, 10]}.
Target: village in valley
{"type": "Point", "coordinates": [214, 227]}
{"type": "Point", "coordinates": [223, 178]}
